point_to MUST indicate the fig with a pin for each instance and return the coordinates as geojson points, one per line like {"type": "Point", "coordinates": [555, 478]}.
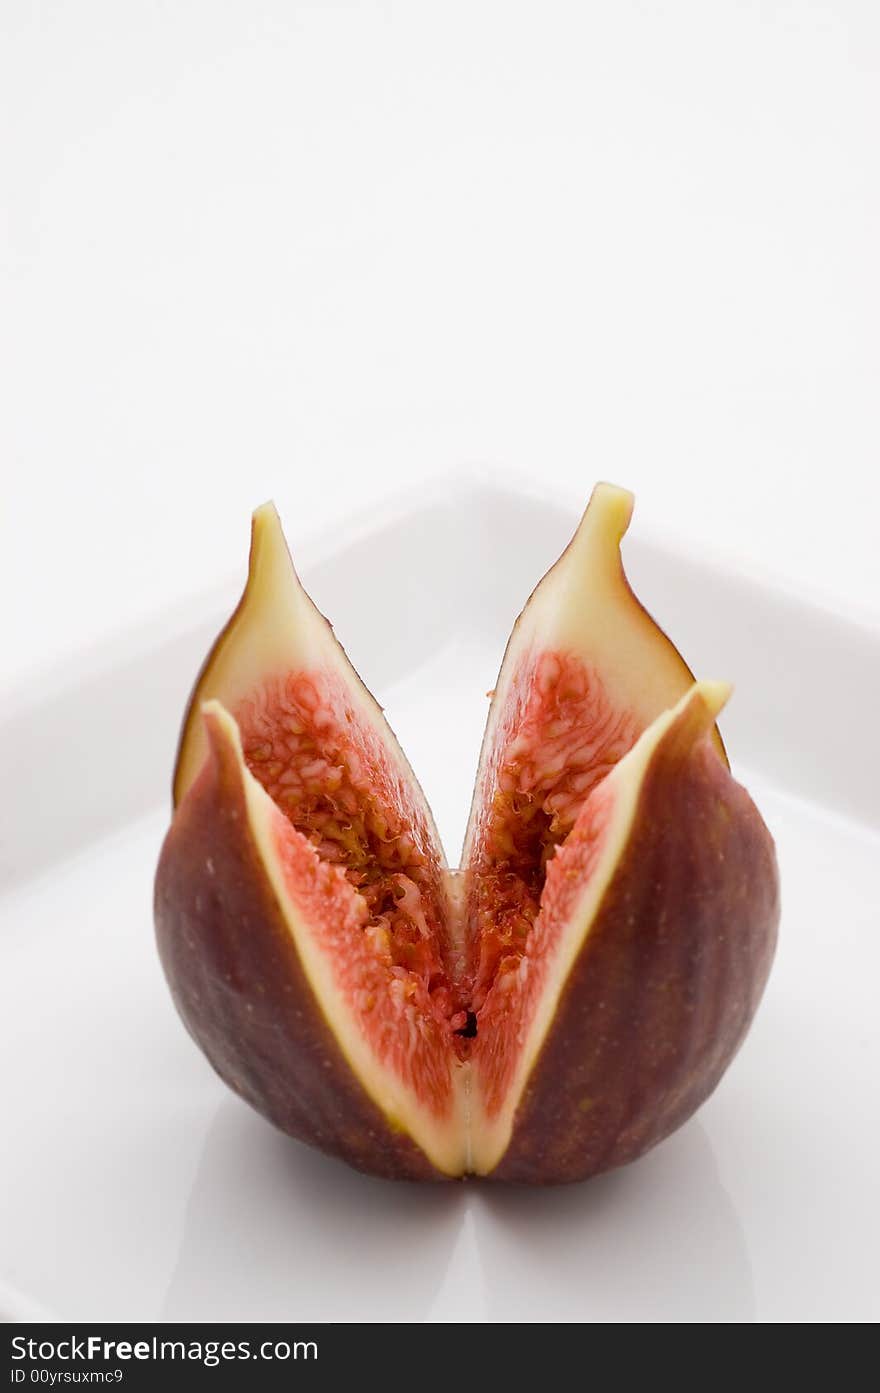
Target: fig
{"type": "Point", "coordinates": [551, 1010]}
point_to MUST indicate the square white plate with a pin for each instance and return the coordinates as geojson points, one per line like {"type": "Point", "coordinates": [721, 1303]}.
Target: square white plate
{"type": "Point", "coordinates": [134, 1186]}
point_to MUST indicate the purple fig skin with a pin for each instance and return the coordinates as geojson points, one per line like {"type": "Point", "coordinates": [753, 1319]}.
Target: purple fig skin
{"type": "Point", "coordinates": [241, 991]}
{"type": "Point", "coordinates": [668, 980]}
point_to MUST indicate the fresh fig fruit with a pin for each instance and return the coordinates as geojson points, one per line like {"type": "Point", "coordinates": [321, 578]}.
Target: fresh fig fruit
{"type": "Point", "coordinates": [555, 1010]}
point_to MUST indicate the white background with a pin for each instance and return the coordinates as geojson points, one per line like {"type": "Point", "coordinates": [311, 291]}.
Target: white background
{"type": "Point", "coordinates": [319, 250]}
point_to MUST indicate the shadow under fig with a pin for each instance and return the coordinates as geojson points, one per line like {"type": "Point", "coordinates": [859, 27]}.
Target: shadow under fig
{"type": "Point", "coordinates": [275, 1231]}
{"type": "Point", "coordinates": [658, 1241]}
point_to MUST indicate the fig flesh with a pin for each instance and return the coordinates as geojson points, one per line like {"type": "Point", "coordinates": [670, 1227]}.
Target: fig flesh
{"type": "Point", "coordinates": [555, 1010]}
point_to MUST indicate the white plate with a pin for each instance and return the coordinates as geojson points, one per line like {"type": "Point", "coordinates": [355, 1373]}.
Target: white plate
{"type": "Point", "coordinates": [134, 1186]}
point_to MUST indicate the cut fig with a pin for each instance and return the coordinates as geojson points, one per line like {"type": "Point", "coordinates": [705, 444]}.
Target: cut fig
{"type": "Point", "coordinates": [557, 1009]}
